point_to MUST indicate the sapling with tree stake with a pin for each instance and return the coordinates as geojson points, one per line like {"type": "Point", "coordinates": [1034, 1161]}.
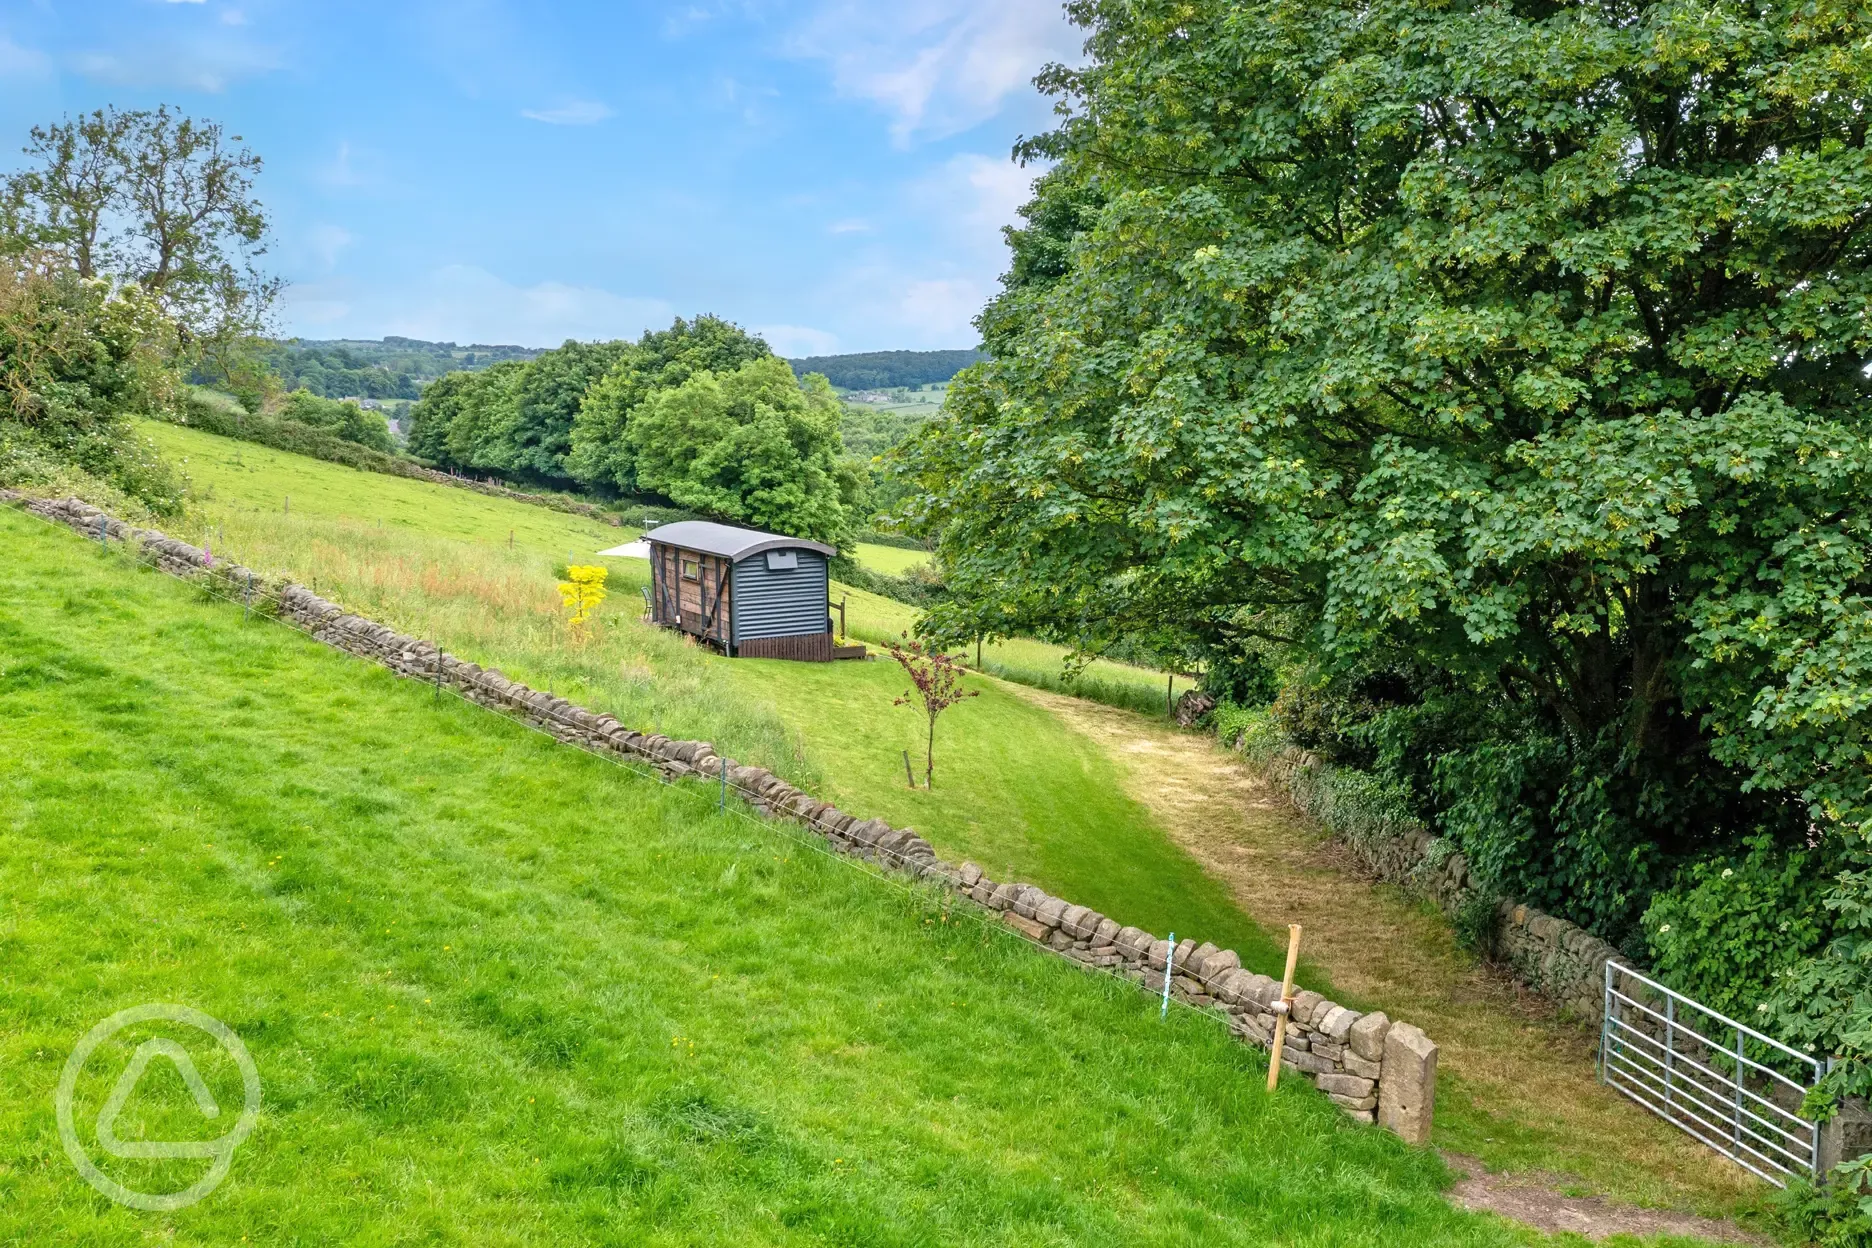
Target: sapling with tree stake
{"type": "Point", "coordinates": [937, 681]}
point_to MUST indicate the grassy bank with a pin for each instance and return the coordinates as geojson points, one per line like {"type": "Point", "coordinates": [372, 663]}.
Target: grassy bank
{"type": "Point", "coordinates": [1017, 791]}
{"type": "Point", "coordinates": [248, 476]}
{"type": "Point", "coordinates": [890, 560]}
{"type": "Point", "coordinates": [503, 993]}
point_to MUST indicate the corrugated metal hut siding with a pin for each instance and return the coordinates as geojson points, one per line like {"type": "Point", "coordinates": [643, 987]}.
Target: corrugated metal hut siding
{"type": "Point", "coordinates": [780, 603]}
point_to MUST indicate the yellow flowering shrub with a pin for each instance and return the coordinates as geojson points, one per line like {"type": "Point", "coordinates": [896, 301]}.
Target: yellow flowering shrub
{"type": "Point", "coordinates": [582, 591]}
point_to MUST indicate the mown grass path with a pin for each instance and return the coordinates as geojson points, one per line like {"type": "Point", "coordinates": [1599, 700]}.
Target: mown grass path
{"type": "Point", "coordinates": [502, 992]}
{"type": "Point", "coordinates": [1517, 1087]}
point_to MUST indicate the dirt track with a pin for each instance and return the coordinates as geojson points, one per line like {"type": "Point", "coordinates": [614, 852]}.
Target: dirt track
{"type": "Point", "coordinates": [1518, 1089]}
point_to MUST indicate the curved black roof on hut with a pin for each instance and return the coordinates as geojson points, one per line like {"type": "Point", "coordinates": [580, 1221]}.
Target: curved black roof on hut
{"type": "Point", "coordinates": [727, 541]}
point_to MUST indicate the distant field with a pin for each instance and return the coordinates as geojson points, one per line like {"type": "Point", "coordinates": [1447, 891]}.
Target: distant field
{"type": "Point", "coordinates": [890, 560]}
{"type": "Point", "coordinates": [919, 400]}
{"type": "Point", "coordinates": [874, 618]}
{"type": "Point", "coordinates": [503, 993]}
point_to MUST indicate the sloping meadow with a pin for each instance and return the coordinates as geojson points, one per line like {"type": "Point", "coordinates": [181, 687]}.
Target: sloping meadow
{"type": "Point", "coordinates": [503, 992]}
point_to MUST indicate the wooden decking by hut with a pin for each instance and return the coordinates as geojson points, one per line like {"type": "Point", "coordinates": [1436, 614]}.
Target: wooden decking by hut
{"type": "Point", "coordinates": [756, 595]}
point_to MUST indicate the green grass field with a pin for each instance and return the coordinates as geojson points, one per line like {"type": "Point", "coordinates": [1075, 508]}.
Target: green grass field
{"type": "Point", "coordinates": [874, 618]}
{"type": "Point", "coordinates": [500, 992]}
{"type": "Point", "coordinates": [890, 560]}
{"type": "Point", "coordinates": [1017, 790]}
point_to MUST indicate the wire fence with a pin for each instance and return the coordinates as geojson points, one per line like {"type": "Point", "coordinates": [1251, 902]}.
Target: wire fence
{"type": "Point", "coordinates": [259, 597]}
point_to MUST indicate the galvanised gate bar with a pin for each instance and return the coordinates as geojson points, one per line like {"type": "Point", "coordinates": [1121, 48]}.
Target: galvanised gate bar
{"type": "Point", "coordinates": [1725, 1083]}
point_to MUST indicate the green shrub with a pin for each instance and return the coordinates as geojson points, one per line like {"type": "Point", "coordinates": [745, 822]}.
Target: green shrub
{"type": "Point", "coordinates": [203, 413]}
{"type": "Point", "coordinates": [1729, 925]}
{"type": "Point", "coordinates": [900, 541]}
{"type": "Point", "coordinates": [1251, 729]}
{"type": "Point", "coordinates": [77, 361]}
{"type": "Point", "coordinates": [135, 483]}
{"type": "Point", "coordinates": [1836, 1215]}
{"type": "Point", "coordinates": [341, 419]}
{"type": "Point", "coordinates": [1474, 920]}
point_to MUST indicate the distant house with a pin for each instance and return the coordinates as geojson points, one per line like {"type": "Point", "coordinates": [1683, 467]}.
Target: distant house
{"type": "Point", "coordinates": [756, 595]}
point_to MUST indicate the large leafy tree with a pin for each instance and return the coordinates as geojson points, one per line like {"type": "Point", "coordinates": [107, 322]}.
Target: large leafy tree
{"type": "Point", "coordinates": [1519, 348]}
{"type": "Point", "coordinates": [602, 452]}
{"type": "Point", "coordinates": [535, 433]}
{"type": "Point", "coordinates": [751, 444]}
{"type": "Point", "coordinates": [156, 198]}
{"type": "Point", "coordinates": [465, 419]}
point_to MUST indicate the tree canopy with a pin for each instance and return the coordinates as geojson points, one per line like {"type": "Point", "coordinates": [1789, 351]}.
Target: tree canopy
{"type": "Point", "coordinates": [341, 419]}
{"type": "Point", "coordinates": [130, 246]}
{"type": "Point", "coordinates": [751, 445]}
{"type": "Point", "coordinates": [602, 451]}
{"type": "Point", "coordinates": [867, 370]}
{"type": "Point", "coordinates": [1504, 365]}
{"type": "Point", "coordinates": [152, 197]}
{"type": "Point", "coordinates": [390, 368]}
{"type": "Point", "coordinates": [701, 413]}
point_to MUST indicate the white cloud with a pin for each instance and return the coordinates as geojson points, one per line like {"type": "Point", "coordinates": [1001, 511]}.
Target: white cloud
{"type": "Point", "coordinates": [463, 303]}
{"type": "Point", "coordinates": [354, 167]}
{"type": "Point", "coordinates": [326, 241]}
{"type": "Point", "coordinates": [798, 340]}
{"type": "Point", "coordinates": [853, 225]}
{"type": "Point", "coordinates": [940, 309]}
{"type": "Point", "coordinates": [18, 64]}
{"type": "Point", "coordinates": [210, 64]}
{"type": "Point", "coordinates": [986, 193]}
{"type": "Point", "coordinates": [938, 66]}
{"type": "Point", "coordinates": [928, 296]}
{"type": "Point", "coordinates": [576, 113]}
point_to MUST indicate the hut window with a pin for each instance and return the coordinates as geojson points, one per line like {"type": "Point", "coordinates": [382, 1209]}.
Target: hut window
{"type": "Point", "coordinates": [782, 560]}
{"type": "Point", "coordinates": [692, 569]}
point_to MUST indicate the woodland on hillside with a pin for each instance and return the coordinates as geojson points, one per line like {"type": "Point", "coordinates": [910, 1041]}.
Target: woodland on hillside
{"type": "Point", "coordinates": [1489, 388]}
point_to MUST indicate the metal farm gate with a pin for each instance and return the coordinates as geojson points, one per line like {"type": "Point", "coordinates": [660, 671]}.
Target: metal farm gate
{"type": "Point", "coordinates": [1727, 1084]}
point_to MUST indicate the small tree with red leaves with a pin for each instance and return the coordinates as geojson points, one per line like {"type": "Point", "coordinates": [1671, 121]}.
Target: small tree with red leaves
{"type": "Point", "coordinates": [938, 686]}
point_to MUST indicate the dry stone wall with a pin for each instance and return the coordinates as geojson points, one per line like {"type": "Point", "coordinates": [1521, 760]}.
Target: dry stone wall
{"type": "Point", "coordinates": [1561, 960]}
{"type": "Point", "coordinates": [1375, 1069]}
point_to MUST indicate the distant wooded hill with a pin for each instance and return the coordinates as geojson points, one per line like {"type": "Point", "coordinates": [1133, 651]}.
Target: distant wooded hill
{"type": "Point", "coordinates": [398, 368]}
{"type": "Point", "coordinates": [390, 368]}
{"type": "Point", "coordinates": [879, 370]}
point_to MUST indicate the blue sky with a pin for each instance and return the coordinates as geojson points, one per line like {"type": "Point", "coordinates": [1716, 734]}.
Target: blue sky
{"type": "Point", "coordinates": [834, 174]}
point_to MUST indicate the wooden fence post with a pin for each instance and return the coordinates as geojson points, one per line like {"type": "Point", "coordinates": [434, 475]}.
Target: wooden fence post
{"type": "Point", "coordinates": [1284, 1006]}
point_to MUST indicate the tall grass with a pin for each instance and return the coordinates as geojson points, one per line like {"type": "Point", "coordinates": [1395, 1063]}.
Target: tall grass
{"type": "Point", "coordinates": [1018, 790]}
{"type": "Point", "coordinates": [499, 607]}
